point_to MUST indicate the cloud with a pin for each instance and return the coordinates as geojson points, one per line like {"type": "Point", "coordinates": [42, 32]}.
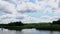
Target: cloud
{"type": "Point", "coordinates": [19, 10]}
{"type": "Point", "coordinates": [6, 7]}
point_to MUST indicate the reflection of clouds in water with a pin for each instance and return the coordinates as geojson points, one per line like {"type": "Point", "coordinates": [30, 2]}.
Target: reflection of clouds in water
{"type": "Point", "coordinates": [6, 31]}
{"type": "Point", "coordinates": [27, 31]}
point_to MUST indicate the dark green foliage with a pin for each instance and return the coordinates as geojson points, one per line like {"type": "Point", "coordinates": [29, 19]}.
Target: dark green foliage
{"type": "Point", "coordinates": [56, 22]}
{"type": "Point", "coordinates": [15, 24]}
{"type": "Point", "coordinates": [42, 26]}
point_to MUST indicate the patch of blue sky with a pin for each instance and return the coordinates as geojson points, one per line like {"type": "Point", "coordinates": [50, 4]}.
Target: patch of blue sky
{"type": "Point", "coordinates": [56, 15]}
{"type": "Point", "coordinates": [42, 13]}
{"type": "Point", "coordinates": [47, 6]}
{"type": "Point", "coordinates": [52, 14]}
{"type": "Point", "coordinates": [37, 15]}
{"type": "Point", "coordinates": [40, 0]}
{"type": "Point", "coordinates": [33, 1]}
{"type": "Point", "coordinates": [2, 14]}
{"type": "Point", "coordinates": [49, 14]}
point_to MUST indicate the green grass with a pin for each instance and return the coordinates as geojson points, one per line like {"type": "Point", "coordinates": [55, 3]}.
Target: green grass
{"type": "Point", "coordinates": [40, 26]}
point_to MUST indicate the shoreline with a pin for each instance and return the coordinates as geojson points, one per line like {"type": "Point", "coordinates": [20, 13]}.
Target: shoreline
{"type": "Point", "coordinates": [36, 26]}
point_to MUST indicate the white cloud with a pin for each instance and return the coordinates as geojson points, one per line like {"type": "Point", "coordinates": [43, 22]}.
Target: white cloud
{"type": "Point", "coordinates": [7, 7]}
{"type": "Point", "coordinates": [17, 10]}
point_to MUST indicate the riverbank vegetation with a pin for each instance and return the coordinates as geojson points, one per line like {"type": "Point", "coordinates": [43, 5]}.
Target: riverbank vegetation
{"type": "Point", "coordinates": [55, 25]}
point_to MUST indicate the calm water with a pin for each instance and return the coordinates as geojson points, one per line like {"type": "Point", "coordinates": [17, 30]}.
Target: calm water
{"type": "Point", "coordinates": [27, 31]}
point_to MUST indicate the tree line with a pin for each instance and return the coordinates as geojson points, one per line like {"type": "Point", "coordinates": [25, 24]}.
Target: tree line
{"type": "Point", "coordinates": [56, 22]}
{"type": "Point", "coordinates": [15, 23]}
{"type": "Point", "coordinates": [19, 23]}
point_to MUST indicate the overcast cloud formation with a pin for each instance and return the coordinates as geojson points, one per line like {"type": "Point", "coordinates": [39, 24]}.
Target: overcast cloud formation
{"type": "Point", "coordinates": [29, 11]}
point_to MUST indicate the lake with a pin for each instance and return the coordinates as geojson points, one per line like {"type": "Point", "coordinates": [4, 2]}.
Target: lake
{"type": "Point", "coordinates": [27, 31]}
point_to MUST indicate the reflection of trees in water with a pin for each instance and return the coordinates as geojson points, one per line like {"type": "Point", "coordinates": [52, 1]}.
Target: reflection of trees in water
{"type": "Point", "coordinates": [52, 32]}
{"type": "Point", "coordinates": [1, 31]}
{"type": "Point", "coordinates": [23, 32]}
{"type": "Point", "coordinates": [19, 32]}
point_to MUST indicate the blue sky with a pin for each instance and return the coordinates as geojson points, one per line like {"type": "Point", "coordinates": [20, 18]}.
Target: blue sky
{"type": "Point", "coordinates": [29, 11]}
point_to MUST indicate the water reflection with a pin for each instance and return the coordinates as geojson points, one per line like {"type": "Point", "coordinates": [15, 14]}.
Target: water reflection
{"type": "Point", "coordinates": [27, 31]}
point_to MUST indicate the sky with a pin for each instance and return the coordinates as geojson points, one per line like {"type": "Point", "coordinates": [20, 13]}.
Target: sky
{"type": "Point", "coordinates": [29, 11]}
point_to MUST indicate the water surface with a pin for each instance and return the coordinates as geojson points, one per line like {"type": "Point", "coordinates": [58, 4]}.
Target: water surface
{"type": "Point", "coordinates": [27, 31]}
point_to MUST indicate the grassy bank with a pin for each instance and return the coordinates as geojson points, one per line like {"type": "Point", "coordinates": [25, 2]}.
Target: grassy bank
{"type": "Point", "coordinates": [40, 26]}
{"type": "Point", "coordinates": [49, 27]}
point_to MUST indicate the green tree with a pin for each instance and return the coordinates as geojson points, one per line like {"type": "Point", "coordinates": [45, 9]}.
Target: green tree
{"type": "Point", "coordinates": [15, 23]}
{"type": "Point", "coordinates": [56, 22]}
